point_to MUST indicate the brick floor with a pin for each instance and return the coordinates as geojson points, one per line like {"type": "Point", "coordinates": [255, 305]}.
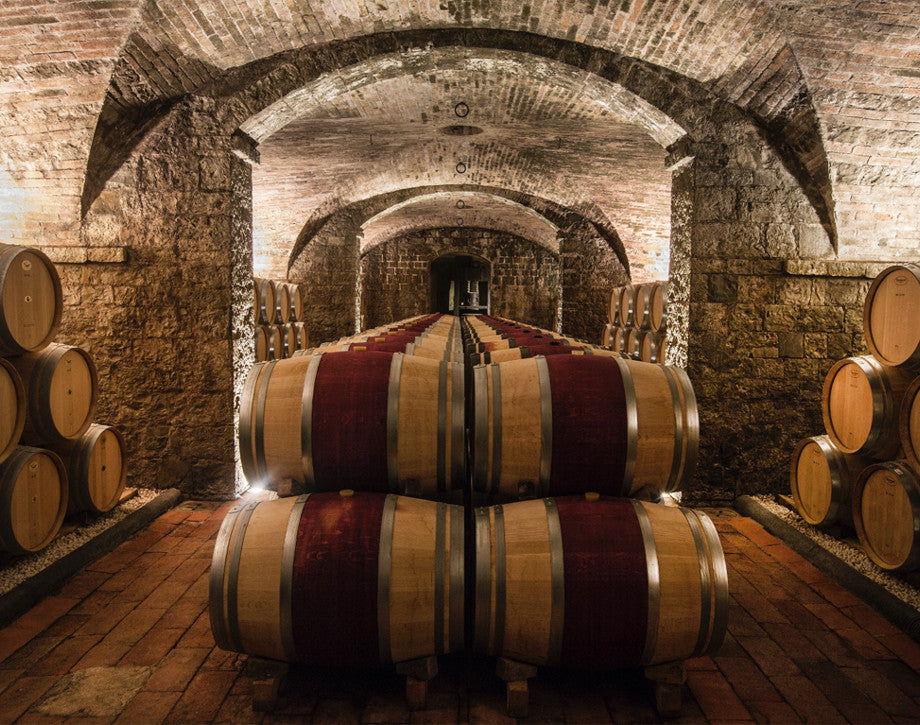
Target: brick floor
{"type": "Point", "coordinates": [799, 648]}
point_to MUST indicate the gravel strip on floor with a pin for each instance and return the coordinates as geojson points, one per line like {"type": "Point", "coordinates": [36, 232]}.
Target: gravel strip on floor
{"type": "Point", "coordinates": [14, 570]}
{"type": "Point", "coordinates": [844, 551]}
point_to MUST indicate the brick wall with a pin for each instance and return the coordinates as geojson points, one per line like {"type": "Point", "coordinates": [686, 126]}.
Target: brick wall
{"type": "Point", "coordinates": [396, 279]}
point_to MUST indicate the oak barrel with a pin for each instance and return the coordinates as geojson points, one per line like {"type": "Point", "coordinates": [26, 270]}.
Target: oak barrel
{"type": "Point", "coordinates": [372, 421]}
{"type": "Point", "coordinates": [33, 499]}
{"type": "Point", "coordinates": [550, 425]}
{"type": "Point", "coordinates": [653, 347]}
{"type": "Point", "coordinates": [626, 307]}
{"type": "Point", "coordinates": [268, 343]}
{"type": "Point", "coordinates": [886, 515]}
{"type": "Point", "coordinates": [891, 316]}
{"type": "Point", "coordinates": [61, 389]}
{"type": "Point", "coordinates": [650, 306]}
{"type": "Point", "coordinates": [295, 294]}
{"type": "Point", "coordinates": [303, 337]}
{"type": "Point", "coordinates": [351, 579]}
{"type": "Point", "coordinates": [264, 301]}
{"type": "Point", "coordinates": [822, 477]}
{"type": "Point", "coordinates": [30, 300]}
{"type": "Point", "coordinates": [633, 346]}
{"type": "Point", "coordinates": [613, 306]}
{"type": "Point", "coordinates": [597, 582]}
{"type": "Point", "coordinates": [12, 408]}
{"type": "Point", "coordinates": [96, 470]}
{"type": "Point", "coordinates": [282, 303]}
{"type": "Point", "coordinates": [860, 404]}
{"type": "Point", "coordinates": [909, 423]}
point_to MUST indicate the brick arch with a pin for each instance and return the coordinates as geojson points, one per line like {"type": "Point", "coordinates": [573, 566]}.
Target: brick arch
{"type": "Point", "coordinates": [359, 212]}
{"type": "Point", "coordinates": [460, 209]}
{"type": "Point", "coordinates": [789, 122]}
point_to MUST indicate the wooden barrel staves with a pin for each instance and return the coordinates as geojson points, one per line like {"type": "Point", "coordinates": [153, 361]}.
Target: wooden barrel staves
{"type": "Point", "coordinates": [597, 583]}
{"type": "Point", "coordinates": [909, 423]}
{"type": "Point", "coordinates": [822, 477]}
{"type": "Point", "coordinates": [96, 470]}
{"type": "Point", "coordinates": [626, 306]}
{"type": "Point", "coordinates": [370, 421]}
{"type": "Point", "coordinates": [61, 389]}
{"type": "Point", "coordinates": [552, 425]}
{"type": "Point", "coordinates": [33, 499]}
{"type": "Point", "coordinates": [339, 579]}
{"type": "Point", "coordinates": [282, 303]}
{"type": "Point", "coordinates": [891, 316]}
{"type": "Point", "coordinates": [30, 300]}
{"type": "Point", "coordinates": [861, 403]}
{"type": "Point", "coordinates": [264, 301]}
{"type": "Point", "coordinates": [886, 515]}
{"type": "Point", "coordinates": [12, 408]}
{"type": "Point", "coordinates": [295, 295]}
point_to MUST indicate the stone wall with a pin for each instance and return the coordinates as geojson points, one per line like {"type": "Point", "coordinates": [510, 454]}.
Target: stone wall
{"type": "Point", "coordinates": [396, 279]}
{"type": "Point", "coordinates": [170, 327]}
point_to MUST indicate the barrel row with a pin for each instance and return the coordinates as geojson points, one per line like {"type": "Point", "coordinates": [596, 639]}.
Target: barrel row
{"type": "Point", "coordinates": [393, 422]}
{"type": "Point", "coordinates": [437, 337]}
{"type": "Point", "coordinates": [494, 339]}
{"type": "Point", "coordinates": [362, 579]}
{"type": "Point", "coordinates": [277, 302]}
{"type": "Point", "coordinates": [53, 459]}
{"type": "Point", "coordinates": [276, 342]}
{"type": "Point", "coordinates": [56, 460]}
{"type": "Point", "coordinates": [864, 473]}
{"type": "Point", "coordinates": [637, 321]}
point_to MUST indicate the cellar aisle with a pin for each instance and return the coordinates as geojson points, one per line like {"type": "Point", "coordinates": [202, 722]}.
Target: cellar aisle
{"type": "Point", "coordinates": [128, 640]}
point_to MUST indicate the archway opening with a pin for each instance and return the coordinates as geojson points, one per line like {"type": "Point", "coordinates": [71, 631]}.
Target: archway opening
{"type": "Point", "coordinates": [460, 284]}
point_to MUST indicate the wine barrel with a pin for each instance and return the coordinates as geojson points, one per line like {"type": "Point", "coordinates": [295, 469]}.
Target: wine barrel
{"type": "Point", "coordinates": [289, 340]}
{"type": "Point", "coordinates": [909, 423]}
{"type": "Point", "coordinates": [264, 302]}
{"type": "Point", "coordinates": [626, 306]}
{"type": "Point", "coordinates": [303, 338]}
{"type": "Point", "coordinates": [891, 316]}
{"type": "Point", "coordinates": [12, 408]}
{"type": "Point", "coordinates": [96, 471]}
{"type": "Point", "coordinates": [633, 346]}
{"type": "Point", "coordinates": [33, 499]}
{"type": "Point", "coordinates": [613, 306]}
{"type": "Point", "coordinates": [282, 303]}
{"type": "Point", "coordinates": [597, 582]}
{"type": "Point", "coordinates": [295, 293]}
{"type": "Point", "coordinates": [373, 421]}
{"type": "Point", "coordinates": [61, 388]}
{"type": "Point", "coordinates": [653, 347]}
{"type": "Point", "coordinates": [268, 343]}
{"type": "Point", "coordinates": [860, 404]}
{"type": "Point", "coordinates": [886, 515]}
{"type": "Point", "coordinates": [650, 306]}
{"type": "Point", "coordinates": [30, 300]}
{"type": "Point", "coordinates": [350, 579]}
{"type": "Point", "coordinates": [822, 477]}
{"type": "Point", "coordinates": [548, 425]}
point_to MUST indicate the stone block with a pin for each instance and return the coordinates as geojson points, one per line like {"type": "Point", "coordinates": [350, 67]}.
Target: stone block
{"type": "Point", "coordinates": [792, 345]}
{"type": "Point", "coordinates": [722, 288]}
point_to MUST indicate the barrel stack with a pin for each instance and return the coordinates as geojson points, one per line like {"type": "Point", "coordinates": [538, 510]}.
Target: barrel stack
{"type": "Point", "coordinates": [54, 459]}
{"type": "Point", "coordinates": [378, 553]}
{"type": "Point", "coordinates": [278, 313]}
{"type": "Point", "coordinates": [638, 321]}
{"type": "Point", "coordinates": [864, 472]}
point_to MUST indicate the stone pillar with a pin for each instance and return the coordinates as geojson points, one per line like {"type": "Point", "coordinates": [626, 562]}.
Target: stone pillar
{"type": "Point", "coordinates": [168, 328]}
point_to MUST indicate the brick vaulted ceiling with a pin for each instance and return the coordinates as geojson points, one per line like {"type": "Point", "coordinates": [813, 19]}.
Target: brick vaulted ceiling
{"type": "Point", "coordinates": [789, 64]}
{"type": "Point", "coordinates": [376, 126]}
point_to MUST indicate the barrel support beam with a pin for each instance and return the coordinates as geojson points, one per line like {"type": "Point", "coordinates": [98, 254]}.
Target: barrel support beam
{"type": "Point", "coordinates": [418, 673]}
{"type": "Point", "coordinates": [668, 679]}
{"type": "Point", "coordinates": [267, 679]}
{"type": "Point", "coordinates": [515, 674]}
